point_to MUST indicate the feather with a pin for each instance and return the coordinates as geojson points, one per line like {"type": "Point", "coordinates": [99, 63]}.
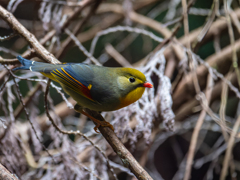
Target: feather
{"type": "Point", "coordinates": [68, 77]}
{"type": "Point", "coordinates": [75, 76]}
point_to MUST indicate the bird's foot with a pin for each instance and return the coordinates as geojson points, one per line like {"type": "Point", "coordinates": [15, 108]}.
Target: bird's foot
{"type": "Point", "coordinates": [96, 121]}
{"type": "Point", "coordinates": [102, 123]}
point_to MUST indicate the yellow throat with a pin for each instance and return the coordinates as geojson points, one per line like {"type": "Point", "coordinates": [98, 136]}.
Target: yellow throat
{"type": "Point", "coordinates": [131, 97]}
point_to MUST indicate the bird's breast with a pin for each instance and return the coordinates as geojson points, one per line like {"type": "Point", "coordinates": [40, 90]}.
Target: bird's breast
{"type": "Point", "coordinates": [131, 97]}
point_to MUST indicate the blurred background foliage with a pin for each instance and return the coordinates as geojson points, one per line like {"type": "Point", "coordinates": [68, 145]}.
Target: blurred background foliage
{"type": "Point", "coordinates": [165, 153]}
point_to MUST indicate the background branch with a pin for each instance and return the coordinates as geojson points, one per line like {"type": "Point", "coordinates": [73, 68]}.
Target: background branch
{"type": "Point", "coordinates": [176, 42]}
{"type": "Point", "coordinates": [126, 157]}
{"type": "Point", "coordinates": [5, 174]}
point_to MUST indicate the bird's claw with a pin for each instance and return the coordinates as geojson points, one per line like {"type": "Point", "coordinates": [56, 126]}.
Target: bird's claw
{"type": "Point", "coordinates": [104, 124]}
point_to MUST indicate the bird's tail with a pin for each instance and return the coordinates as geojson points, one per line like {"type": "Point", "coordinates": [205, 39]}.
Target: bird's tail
{"type": "Point", "coordinates": [25, 62]}
{"type": "Point", "coordinates": [36, 66]}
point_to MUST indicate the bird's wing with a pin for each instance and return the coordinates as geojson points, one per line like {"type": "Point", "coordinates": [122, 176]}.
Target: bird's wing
{"type": "Point", "coordinates": [76, 77]}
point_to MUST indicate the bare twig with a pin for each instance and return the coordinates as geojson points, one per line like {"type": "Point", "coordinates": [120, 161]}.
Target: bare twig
{"type": "Point", "coordinates": [122, 28]}
{"type": "Point", "coordinates": [215, 8]}
{"type": "Point", "coordinates": [196, 131]}
{"type": "Point", "coordinates": [223, 106]}
{"type": "Point", "coordinates": [9, 61]}
{"type": "Point", "coordinates": [81, 47]}
{"type": "Point", "coordinates": [138, 18]}
{"type": "Point", "coordinates": [15, 61]}
{"type": "Point", "coordinates": [232, 40]}
{"type": "Point", "coordinates": [213, 60]}
{"type": "Point", "coordinates": [4, 38]}
{"type": "Point", "coordinates": [6, 175]}
{"type": "Point", "coordinates": [128, 160]}
{"type": "Point", "coordinates": [80, 3]}
{"type": "Point", "coordinates": [26, 100]}
{"type": "Point", "coordinates": [20, 29]}
{"type": "Point", "coordinates": [117, 56]}
{"type": "Point", "coordinates": [78, 28]}
{"type": "Point", "coordinates": [229, 149]}
{"type": "Point", "coordinates": [73, 132]}
{"type": "Point", "coordinates": [126, 157]}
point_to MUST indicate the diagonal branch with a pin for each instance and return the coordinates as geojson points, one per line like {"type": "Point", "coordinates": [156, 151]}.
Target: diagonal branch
{"type": "Point", "coordinates": [30, 38]}
{"type": "Point", "coordinates": [126, 157]}
{"type": "Point", "coordinates": [6, 175]}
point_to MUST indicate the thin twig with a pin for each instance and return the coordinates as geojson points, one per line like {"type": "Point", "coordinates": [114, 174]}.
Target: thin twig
{"type": "Point", "coordinates": [116, 8]}
{"type": "Point", "coordinates": [80, 3]}
{"type": "Point", "coordinates": [81, 47]}
{"type": "Point", "coordinates": [127, 158]}
{"type": "Point", "coordinates": [117, 56]}
{"type": "Point", "coordinates": [30, 54]}
{"type": "Point", "coordinates": [7, 37]}
{"type": "Point", "coordinates": [26, 112]}
{"type": "Point", "coordinates": [4, 84]}
{"type": "Point", "coordinates": [26, 100]}
{"type": "Point", "coordinates": [229, 149]}
{"type": "Point", "coordinates": [213, 60]}
{"type": "Point", "coordinates": [215, 8]}
{"type": "Point", "coordinates": [196, 131]}
{"type": "Point", "coordinates": [78, 28]}
{"type": "Point", "coordinates": [6, 175]}
{"type": "Point", "coordinates": [223, 104]}
{"type": "Point", "coordinates": [232, 41]}
{"type": "Point", "coordinates": [73, 132]}
{"type": "Point", "coordinates": [122, 28]}
{"type": "Point", "coordinates": [20, 29]}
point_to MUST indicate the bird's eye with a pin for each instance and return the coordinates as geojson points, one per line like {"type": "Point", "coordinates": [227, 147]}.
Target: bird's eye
{"type": "Point", "coordinates": [131, 80]}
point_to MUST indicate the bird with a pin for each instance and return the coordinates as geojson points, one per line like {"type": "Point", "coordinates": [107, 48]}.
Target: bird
{"type": "Point", "coordinates": [97, 88]}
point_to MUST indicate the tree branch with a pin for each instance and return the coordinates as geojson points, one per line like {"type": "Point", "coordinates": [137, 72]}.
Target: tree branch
{"type": "Point", "coordinates": [5, 174]}
{"type": "Point", "coordinates": [30, 38]}
{"type": "Point", "coordinates": [126, 157]}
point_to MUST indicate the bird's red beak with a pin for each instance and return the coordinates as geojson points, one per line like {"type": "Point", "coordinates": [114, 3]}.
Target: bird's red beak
{"type": "Point", "coordinates": [147, 85]}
